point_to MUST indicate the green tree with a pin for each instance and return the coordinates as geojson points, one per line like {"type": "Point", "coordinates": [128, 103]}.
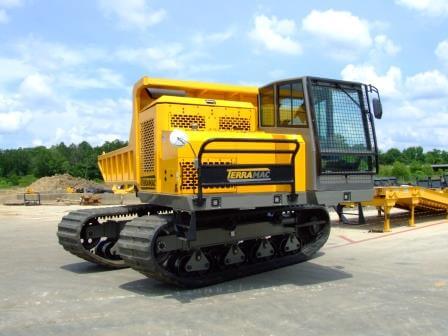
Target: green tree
{"type": "Point", "coordinates": [413, 154]}
{"type": "Point", "coordinates": [390, 156]}
{"type": "Point", "coordinates": [47, 162]}
{"type": "Point", "coordinates": [401, 171]}
{"type": "Point", "coordinates": [385, 170]}
{"type": "Point", "coordinates": [434, 156]}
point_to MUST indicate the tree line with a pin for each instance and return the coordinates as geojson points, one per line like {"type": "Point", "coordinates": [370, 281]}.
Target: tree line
{"type": "Point", "coordinates": [24, 165]}
{"type": "Point", "coordinates": [411, 163]}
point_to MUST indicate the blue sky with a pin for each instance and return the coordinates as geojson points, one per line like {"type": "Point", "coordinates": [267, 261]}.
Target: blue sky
{"type": "Point", "coordinates": [67, 67]}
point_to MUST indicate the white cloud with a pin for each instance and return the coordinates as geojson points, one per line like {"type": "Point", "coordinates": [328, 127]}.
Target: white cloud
{"type": "Point", "coordinates": [36, 86]}
{"type": "Point", "coordinates": [10, 3]}
{"type": "Point", "coordinates": [99, 79]}
{"type": "Point", "coordinates": [415, 108]}
{"type": "Point", "coordinates": [132, 13]}
{"type": "Point", "coordinates": [51, 56]}
{"type": "Point", "coordinates": [76, 121]}
{"type": "Point", "coordinates": [4, 18]}
{"type": "Point", "coordinates": [13, 121]}
{"type": "Point", "coordinates": [339, 27]}
{"type": "Point", "coordinates": [179, 60]}
{"type": "Point", "coordinates": [47, 78]}
{"type": "Point", "coordinates": [68, 120]}
{"type": "Point", "coordinates": [163, 58]}
{"type": "Point", "coordinates": [73, 67]}
{"type": "Point", "coordinates": [101, 108]}
{"type": "Point", "coordinates": [276, 35]}
{"type": "Point", "coordinates": [37, 142]}
{"type": "Point", "coordinates": [39, 94]}
{"type": "Point", "coordinates": [12, 115]}
{"type": "Point", "coordinates": [430, 7]}
{"type": "Point", "coordinates": [13, 69]}
{"type": "Point", "coordinates": [346, 36]}
{"type": "Point", "coordinates": [427, 85]}
{"type": "Point", "coordinates": [388, 84]}
{"type": "Point", "coordinates": [219, 37]}
{"type": "Point", "coordinates": [170, 58]}
{"type": "Point", "coordinates": [419, 127]}
{"type": "Point", "coordinates": [68, 67]}
{"type": "Point", "coordinates": [442, 51]}
{"type": "Point", "coordinates": [386, 45]}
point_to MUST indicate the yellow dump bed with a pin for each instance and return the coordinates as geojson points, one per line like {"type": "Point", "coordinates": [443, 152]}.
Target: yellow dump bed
{"type": "Point", "coordinates": [123, 166]}
{"type": "Point", "coordinates": [118, 166]}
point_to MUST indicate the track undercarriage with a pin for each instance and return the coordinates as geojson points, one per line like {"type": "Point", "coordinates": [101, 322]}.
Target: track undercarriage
{"type": "Point", "coordinates": [227, 245]}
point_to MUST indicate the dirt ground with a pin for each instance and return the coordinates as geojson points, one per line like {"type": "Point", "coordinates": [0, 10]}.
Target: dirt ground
{"type": "Point", "coordinates": [60, 183]}
{"type": "Point", "coordinates": [10, 194]}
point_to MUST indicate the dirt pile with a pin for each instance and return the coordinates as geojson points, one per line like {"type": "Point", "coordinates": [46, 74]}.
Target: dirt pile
{"type": "Point", "coordinates": [60, 183]}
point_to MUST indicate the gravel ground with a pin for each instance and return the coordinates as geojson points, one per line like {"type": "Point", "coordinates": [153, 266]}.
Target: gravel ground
{"type": "Point", "coordinates": [361, 283]}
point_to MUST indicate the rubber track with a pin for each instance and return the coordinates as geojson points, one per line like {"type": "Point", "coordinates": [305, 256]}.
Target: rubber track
{"type": "Point", "coordinates": [136, 247]}
{"type": "Point", "coordinates": [69, 230]}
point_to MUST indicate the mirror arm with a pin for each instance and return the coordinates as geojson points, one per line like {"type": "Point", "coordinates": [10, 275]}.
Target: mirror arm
{"type": "Point", "coordinates": [374, 90]}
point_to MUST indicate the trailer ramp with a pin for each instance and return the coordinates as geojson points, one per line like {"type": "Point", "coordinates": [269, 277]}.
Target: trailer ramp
{"type": "Point", "coordinates": [411, 198]}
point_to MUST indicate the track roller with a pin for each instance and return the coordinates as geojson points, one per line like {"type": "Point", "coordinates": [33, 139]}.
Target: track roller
{"type": "Point", "coordinates": [149, 245]}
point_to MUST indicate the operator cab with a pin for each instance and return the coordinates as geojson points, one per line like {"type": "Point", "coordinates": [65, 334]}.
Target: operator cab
{"type": "Point", "coordinates": [335, 119]}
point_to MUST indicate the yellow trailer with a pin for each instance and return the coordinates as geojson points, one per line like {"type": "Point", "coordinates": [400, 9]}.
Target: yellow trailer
{"type": "Point", "coordinates": [408, 198]}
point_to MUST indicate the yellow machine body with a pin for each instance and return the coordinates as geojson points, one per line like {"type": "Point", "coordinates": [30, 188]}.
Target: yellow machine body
{"type": "Point", "coordinates": [233, 180]}
{"type": "Point", "coordinates": [207, 111]}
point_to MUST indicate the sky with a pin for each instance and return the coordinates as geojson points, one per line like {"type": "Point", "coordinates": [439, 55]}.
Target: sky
{"type": "Point", "coordinates": [67, 67]}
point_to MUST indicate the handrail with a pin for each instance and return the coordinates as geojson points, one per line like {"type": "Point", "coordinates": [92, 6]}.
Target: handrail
{"type": "Point", "coordinates": [286, 169]}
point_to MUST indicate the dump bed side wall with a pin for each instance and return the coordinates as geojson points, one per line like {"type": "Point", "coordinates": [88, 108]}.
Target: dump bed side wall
{"type": "Point", "coordinates": [118, 167]}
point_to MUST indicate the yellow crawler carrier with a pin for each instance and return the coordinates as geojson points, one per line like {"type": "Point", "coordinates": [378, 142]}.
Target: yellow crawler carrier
{"type": "Point", "coordinates": [233, 180]}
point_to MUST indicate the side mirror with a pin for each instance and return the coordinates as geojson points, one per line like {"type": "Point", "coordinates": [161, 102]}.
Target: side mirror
{"type": "Point", "coordinates": [377, 108]}
{"type": "Point", "coordinates": [376, 101]}
{"type": "Point", "coordinates": [178, 138]}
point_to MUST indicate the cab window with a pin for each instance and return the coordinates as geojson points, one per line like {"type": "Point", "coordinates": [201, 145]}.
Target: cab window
{"type": "Point", "coordinates": [267, 106]}
{"type": "Point", "coordinates": [291, 105]}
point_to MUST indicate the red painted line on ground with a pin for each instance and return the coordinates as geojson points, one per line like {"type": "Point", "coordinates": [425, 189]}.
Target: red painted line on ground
{"type": "Point", "coordinates": [352, 242]}
{"type": "Point", "coordinates": [347, 239]}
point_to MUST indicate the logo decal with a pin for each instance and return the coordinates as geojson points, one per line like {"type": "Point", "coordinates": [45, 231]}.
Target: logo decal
{"type": "Point", "coordinates": [248, 175]}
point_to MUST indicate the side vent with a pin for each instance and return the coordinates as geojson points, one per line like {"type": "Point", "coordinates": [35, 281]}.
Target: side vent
{"type": "Point", "coordinates": [189, 174]}
{"type": "Point", "coordinates": [147, 150]}
{"type": "Point", "coordinates": [234, 124]}
{"type": "Point", "coordinates": [187, 121]}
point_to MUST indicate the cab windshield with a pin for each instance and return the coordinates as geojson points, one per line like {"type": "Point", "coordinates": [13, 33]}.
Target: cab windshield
{"type": "Point", "coordinates": [343, 128]}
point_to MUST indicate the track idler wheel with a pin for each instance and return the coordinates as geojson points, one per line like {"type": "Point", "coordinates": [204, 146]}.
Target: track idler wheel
{"type": "Point", "coordinates": [87, 241]}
